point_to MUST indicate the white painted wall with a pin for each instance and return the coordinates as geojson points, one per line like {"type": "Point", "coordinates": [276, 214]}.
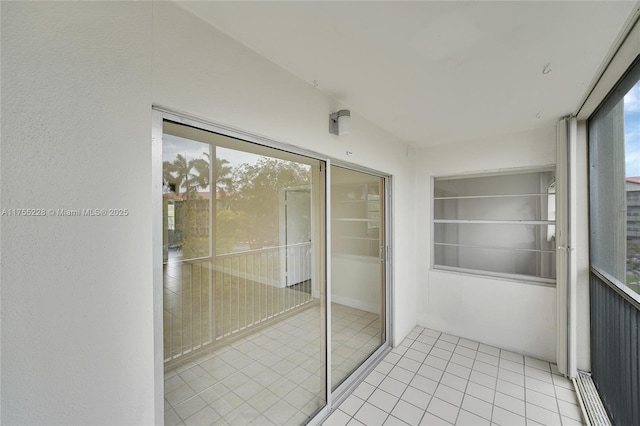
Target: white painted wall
{"type": "Point", "coordinates": [200, 70]}
{"type": "Point", "coordinates": [513, 315]}
{"type": "Point", "coordinates": [510, 315]}
{"type": "Point", "coordinates": [78, 82]}
{"type": "Point", "coordinates": [77, 330]}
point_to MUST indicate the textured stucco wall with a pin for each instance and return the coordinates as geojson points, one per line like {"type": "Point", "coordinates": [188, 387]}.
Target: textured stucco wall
{"type": "Point", "coordinates": [76, 291]}
{"type": "Point", "coordinates": [505, 313]}
{"type": "Point", "coordinates": [78, 81]}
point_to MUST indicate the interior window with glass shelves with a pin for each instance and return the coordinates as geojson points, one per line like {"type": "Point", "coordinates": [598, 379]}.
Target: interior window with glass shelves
{"type": "Point", "coordinates": [500, 224]}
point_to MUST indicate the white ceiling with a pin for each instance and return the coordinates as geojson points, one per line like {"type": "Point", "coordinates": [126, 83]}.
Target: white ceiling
{"type": "Point", "coordinates": [435, 72]}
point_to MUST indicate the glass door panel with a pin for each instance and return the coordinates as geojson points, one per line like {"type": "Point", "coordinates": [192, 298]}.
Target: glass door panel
{"type": "Point", "coordinates": [244, 308]}
{"type": "Point", "coordinates": [357, 276]}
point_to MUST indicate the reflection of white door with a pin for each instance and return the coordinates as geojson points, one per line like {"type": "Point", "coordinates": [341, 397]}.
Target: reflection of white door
{"type": "Point", "coordinates": [295, 232]}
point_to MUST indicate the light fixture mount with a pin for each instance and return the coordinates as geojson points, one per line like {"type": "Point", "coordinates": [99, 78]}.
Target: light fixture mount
{"type": "Point", "coordinates": [340, 122]}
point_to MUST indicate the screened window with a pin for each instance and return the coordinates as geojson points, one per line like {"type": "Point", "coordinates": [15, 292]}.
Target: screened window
{"type": "Point", "coordinates": [497, 224]}
{"type": "Point", "coordinates": [614, 155]}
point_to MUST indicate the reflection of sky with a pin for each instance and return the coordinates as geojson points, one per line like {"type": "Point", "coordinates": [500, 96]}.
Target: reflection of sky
{"type": "Point", "coordinates": [174, 145]}
{"type": "Point", "coordinates": [235, 157]}
{"type": "Point", "coordinates": [632, 131]}
{"type": "Point", "coordinates": [190, 149]}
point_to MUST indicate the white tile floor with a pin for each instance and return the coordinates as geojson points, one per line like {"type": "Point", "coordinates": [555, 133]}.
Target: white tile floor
{"type": "Point", "coordinates": [438, 379]}
{"type": "Point", "coordinates": [272, 378]}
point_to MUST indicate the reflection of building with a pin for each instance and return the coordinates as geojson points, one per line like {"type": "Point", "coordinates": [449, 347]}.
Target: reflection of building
{"type": "Point", "coordinates": [187, 215]}
{"type": "Point", "coordinates": [633, 207]}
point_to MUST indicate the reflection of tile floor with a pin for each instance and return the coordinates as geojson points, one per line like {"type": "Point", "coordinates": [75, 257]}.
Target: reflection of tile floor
{"type": "Point", "coordinates": [438, 379]}
{"type": "Point", "coordinates": [271, 377]}
{"type": "Point", "coordinates": [355, 336]}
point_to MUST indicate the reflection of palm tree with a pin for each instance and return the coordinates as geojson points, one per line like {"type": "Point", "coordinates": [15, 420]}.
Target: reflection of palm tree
{"type": "Point", "coordinates": [176, 174]}
{"type": "Point", "coordinates": [201, 166]}
{"type": "Point", "coordinates": [168, 181]}
{"type": "Point", "coordinates": [195, 173]}
{"type": "Point", "coordinates": [224, 180]}
{"type": "Point", "coordinates": [185, 177]}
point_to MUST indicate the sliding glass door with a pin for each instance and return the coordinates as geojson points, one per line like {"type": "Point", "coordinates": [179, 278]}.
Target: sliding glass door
{"type": "Point", "coordinates": [246, 301]}
{"type": "Point", "coordinates": [244, 309]}
{"type": "Point", "coordinates": [357, 270]}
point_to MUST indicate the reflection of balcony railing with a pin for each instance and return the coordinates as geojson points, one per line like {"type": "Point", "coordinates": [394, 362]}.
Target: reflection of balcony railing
{"type": "Point", "coordinates": [213, 298]}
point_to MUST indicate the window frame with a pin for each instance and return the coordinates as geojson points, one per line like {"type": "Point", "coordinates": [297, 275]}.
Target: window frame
{"type": "Point", "coordinates": [626, 82]}
{"type": "Point", "coordinates": [336, 396]}
{"type": "Point", "coordinates": [530, 279]}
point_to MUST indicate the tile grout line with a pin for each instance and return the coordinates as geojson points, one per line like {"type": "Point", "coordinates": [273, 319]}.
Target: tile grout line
{"type": "Point", "coordinates": [465, 388]}
{"type": "Point", "coordinates": [439, 382]}
{"type": "Point", "coordinates": [416, 372]}
{"type": "Point", "coordinates": [525, 391]}
{"type": "Point", "coordinates": [450, 361]}
{"type": "Point", "coordinates": [475, 358]}
{"type": "Point", "coordinates": [375, 387]}
{"type": "Point", "coordinates": [434, 391]}
{"type": "Point", "coordinates": [555, 393]}
{"type": "Point", "coordinates": [414, 375]}
{"type": "Point", "coordinates": [495, 390]}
